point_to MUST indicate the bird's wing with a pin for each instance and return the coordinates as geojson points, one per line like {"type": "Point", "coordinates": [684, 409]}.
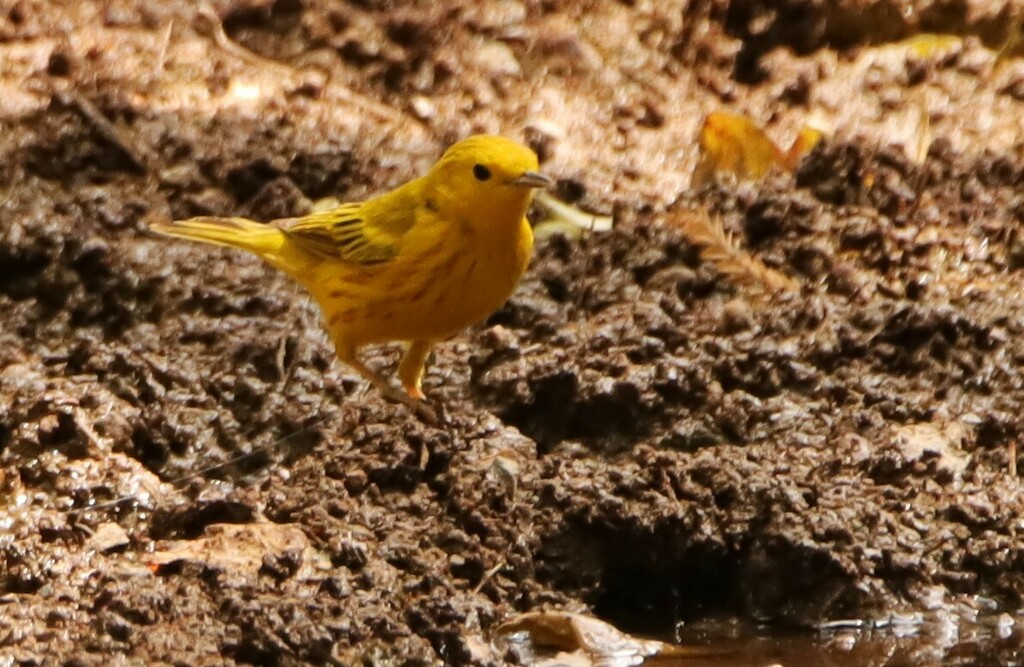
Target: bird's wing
{"type": "Point", "coordinates": [361, 233]}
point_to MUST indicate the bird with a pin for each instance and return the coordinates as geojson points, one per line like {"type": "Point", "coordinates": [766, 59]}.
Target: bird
{"type": "Point", "coordinates": [417, 264]}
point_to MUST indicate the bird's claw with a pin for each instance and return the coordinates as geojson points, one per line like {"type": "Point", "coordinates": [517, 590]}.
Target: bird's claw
{"type": "Point", "coordinates": [419, 405]}
{"type": "Point", "coordinates": [427, 413]}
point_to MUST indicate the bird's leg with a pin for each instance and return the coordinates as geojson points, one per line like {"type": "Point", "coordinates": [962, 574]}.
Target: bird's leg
{"type": "Point", "coordinates": [410, 369]}
{"type": "Point", "coordinates": [389, 392]}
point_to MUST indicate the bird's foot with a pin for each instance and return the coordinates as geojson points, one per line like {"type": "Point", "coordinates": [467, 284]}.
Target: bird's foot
{"type": "Point", "coordinates": [412, 396]}
{"type": "Point", "coordinates": [420, 406]}
{"type": "Point", "coordinates": [430, 414]}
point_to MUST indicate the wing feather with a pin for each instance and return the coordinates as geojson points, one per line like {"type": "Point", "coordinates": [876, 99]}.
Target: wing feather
{"type": "Point", "coordinates": [363, 233]}
{"type": "Point", "coordinates": [344, 233]}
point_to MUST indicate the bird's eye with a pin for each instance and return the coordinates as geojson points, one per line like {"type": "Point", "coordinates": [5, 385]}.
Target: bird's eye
{"type": "Point", "coordinates": [481, 172]}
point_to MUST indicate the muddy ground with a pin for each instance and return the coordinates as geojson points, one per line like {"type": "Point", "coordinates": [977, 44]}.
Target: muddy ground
{"type": "Point", "coordinates": [634, 435]}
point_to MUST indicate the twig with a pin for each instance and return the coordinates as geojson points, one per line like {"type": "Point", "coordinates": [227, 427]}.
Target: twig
{"type": "Point", "coordinates": [110, 132]}
{"type": "Point", "coordinates": [922, 143]}
{"type": "Point", "coordinates": [165, 42]}
{"type": "Point", "coordinates": [279, 358]}
{"type": "Point", "coordinates": [222, 39]}
{"type": "Point", "coordinates": [488, 575]}
{"type": "Point", "coordinates": [235, 49]}
{"type": "Point", "coordinates": [85, 426]}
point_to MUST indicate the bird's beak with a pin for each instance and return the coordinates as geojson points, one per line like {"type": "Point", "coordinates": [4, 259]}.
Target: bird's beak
{"type": "Point", "coordinates": [532, 179]}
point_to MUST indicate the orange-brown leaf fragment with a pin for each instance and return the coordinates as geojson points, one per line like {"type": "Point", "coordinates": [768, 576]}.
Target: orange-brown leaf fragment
{"type": "Point", "coordinates": [735, 145]}
{"type": "Point", "coordinates": [805, 141]}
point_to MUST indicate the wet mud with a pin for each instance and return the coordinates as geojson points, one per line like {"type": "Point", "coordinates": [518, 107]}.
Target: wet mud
{"type": "Point", "coordinates": [634, 435]}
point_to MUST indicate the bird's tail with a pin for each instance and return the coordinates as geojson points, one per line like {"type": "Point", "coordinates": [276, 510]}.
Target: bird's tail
{"type": "Point", "coordinates": [263, 239]}
{"type": "Point", "coordinates": [266, 240]}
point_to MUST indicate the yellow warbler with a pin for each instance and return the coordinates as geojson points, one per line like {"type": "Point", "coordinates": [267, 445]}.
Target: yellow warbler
{"type": "Point", "coordinates": [416, 264]}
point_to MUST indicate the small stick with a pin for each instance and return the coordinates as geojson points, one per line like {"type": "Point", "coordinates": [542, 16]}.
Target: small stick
{"type": "Point", "coordinates": [225, 42]}
{"type": "Point", "coordinates": [85, 426]}
{"type": "Point", "coordinates": [222, 39]}
{"type": "Point", "coordinates": [74, 515]}
{"type": "Point", "coordinates": [165, 42]}
{"type": "Point", "coordinates": [488, 575]}
{"type": "Point", "coordinates": [107, 130]}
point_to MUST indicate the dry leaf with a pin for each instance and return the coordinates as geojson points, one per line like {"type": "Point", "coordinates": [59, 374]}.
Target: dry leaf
{"type": "Point", "coordinates": [734, 144]}
{"type": "Point", "coordinates": [922, 140]}
{"type": "Point", "coordinates": [240, 549]}
{"type": "Point", "coordinates": [805, 141]}
{"type": "Point", "coordinates": [106, 537]}
{"type": "Point", "coordinates": [567, 220]}
{"type": "Point", "coordinates": [930, 46]}
{"type": "Point", "coordinates": [589, 641]}
{"type": "Point", "coordinates": [936, 442]}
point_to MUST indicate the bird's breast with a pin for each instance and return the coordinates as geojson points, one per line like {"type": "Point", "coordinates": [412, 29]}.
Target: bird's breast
{"type": "Point", "coordinates": [438, 285]}
{"type": "Point", "coordinates": [476, 278]}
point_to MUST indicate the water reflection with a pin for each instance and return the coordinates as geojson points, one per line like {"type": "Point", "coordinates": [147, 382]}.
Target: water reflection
{"type": "Point", "coordinates": [911, 640]}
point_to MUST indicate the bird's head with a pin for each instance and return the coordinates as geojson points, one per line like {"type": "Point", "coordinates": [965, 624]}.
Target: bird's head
{"type": "Point", "coordinates": [486, 179]}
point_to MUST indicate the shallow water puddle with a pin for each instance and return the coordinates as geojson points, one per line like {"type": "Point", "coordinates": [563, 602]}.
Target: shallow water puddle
{"type": "Point", "coordinates": [907, 641]}
{"type": "Point", "coordinates": [903, 640]}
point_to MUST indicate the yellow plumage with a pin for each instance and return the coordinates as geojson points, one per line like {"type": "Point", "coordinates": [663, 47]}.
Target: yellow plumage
{"type": "Point", "coordinates": [416, 264]}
